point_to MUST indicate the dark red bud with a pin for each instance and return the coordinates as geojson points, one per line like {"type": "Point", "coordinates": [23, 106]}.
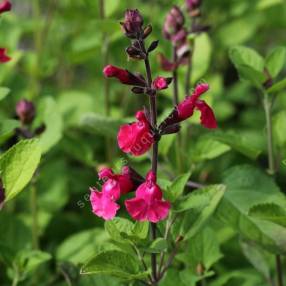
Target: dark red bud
{"type": "Point", "coordinates": [138, 90]}
{"type": "Point", "coordinates": [135, 177]}
{"type": "Point", "coordinates": [26, 111]}
{"type": "Point", "coordinates": [171, 129]}
{"type": "Point", "coordinates": [5, 6]}
{"type": "Point", "coordinates": [134, 53]}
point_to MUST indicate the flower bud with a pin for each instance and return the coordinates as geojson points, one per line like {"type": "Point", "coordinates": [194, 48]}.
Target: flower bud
{"type": "Point", "coordinates": [134, 53]}
{"type": "Point", "coordinates": [173, 23]}
{"type": "Point", "coordinates": [193, 4]}
{"type": "Point", "coordinates": [147, 31]}
{"type": "Point", "coordinates": [5, 6]}
{"type": "Point", "coordinates": [3, 56]}
{"type": "Point", "coordinates": [124, 76]}
{"type": "Point", "coordinates": [133, 22]}
{"type": "Point", "coordinates": [26, 111]}
{"type": "Point", "coordinates": [160, 82]}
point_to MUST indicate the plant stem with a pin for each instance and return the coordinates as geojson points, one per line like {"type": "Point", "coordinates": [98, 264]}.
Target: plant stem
{"type": "Point", "coordinates": [35, 89]}
{"type": "Point", "coordinates": [267, 108]}
{"type": "Point", "coordinates": [34, 213]}
{"type": "Point", "coordinates": [175, 78]}
{"type": "Point", "coordinates": [153, 114]}
{"type": "Point", "coordinates": [279, 270]}
{"type": "Point", "coordinates": [271, 168]}
{"type": "Point", "coordinates": [105, 56]}
{"type": "Point", "coordinates": [188, 74]}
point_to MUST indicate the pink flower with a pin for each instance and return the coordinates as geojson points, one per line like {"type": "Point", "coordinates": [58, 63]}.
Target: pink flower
{"type": "Point", "coordinates": [26, 111]}
{"type": "Point", "coordinates": [186, 109]}
{"type": "Point", "coordinates": [136, 138]}
{"type": "Point", "coordinates": [148, 205]}
{"type": "Point", "coordinates": [104, 203]}
{"type": "Point", "coordinates": [193, 4]}
{"type": "Point", "coordinates": [124, 76]}
{"type": "Point", "coordinates": [5, 6]}
{"type": "Point", "coordinates": [173, 23]}
{"type": "Point", "coordinates": [3, 56]}
{"type": "Point", "coordinates": [161, 82]}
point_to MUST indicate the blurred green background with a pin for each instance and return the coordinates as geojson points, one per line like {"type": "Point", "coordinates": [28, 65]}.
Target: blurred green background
{"type": "Point", "coordinates": [59, 49]}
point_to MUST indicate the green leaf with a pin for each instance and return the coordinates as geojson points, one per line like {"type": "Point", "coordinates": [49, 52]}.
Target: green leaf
{"type": "Point", "coordinates": [7, 128]}
{"type": "Point", "coordinates": [249, 64]}
{"type": "Point", "coordinates": [275, 61]}
{"type": "Point", "coordinates": [50, 116]}
{"type": "Point", "coordinates": [140, 229]}
{"type": "Point", "coordinates": [279, 128]}
{"type": "Point", "coordinates": [250, 74]}
{"type": "Point", "coordinates": [248, 186]}
{"type": "Point", "coordinates": [244, 56]}
{"type": "Point", "coordinates": [201, 204]}
{"type": "Point", "coordinates": [268, 235]}
{"type": "Point", "coordinates": [158, 245]}
{"type": "Point", "coordinates": [280, 85]}
{"type": "Point", "coordinates": [14, 234]}
{"type": "Point", "coordinates": [203, 248]}
{"type": "Point", "coordinates": [4, 91]}
{"type": "Point", "coordinates": [98, 124]}
{"type": "Point", "coordinates": [256, 257]}
{"type": "Point", "coordinates": [122, 230]}
{"type": "Point", "coordinates": [176, 189]}
{"type": "Point", "coordinates": [117, 227]}
{"type": "Point", "coordinates": [114, 263]}
{"type": "Point", "coordinates": [208, 148]}
{"type": "Point", "coordinates": [79, 247]}
{"type": "Point", "coordinates": [29, 260]}
{"type": "Point", "coordinates": [270, 212]}
{"type": "Point", "coordinates": [237, 142]}
{"type": "Point", "coordinates": [18, 165]}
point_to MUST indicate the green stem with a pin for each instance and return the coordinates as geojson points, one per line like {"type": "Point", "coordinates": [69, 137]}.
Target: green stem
{"type": "Point", "coordinates": [268, 116]}
{"type": "Point", "coordinates": [35, 85]}
{"type": "Point", "coordinates": [34, 213]}
{"type": "Point", "coordinates": [105, 56]}
{"type": "Point", "coordinates": [271, 168]}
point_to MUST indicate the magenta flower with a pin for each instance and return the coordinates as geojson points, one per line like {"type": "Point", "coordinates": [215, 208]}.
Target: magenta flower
{"type": "Point", "coordinates": [104, 203]}
{"type": "Point", "coordinates": [136, 138]}
{"type": "Point", "coordinates": [3, 56]}
{"type": "Point", "coordinates": [25, 110]}
{"type": "Point", "coordinates": [161, 82]}
{"type": "Point", "coordinates": [5, 6]}
{"type": "Point", "coordinates": [186, 109]}
{"type": "Point", "coordinates": [124, 76]}
{"type": "Point", "coordinates": [148, 205]}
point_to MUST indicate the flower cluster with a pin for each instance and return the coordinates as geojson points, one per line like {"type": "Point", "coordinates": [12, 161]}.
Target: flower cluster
{"type": "Point", "coordinates": [138, 137]}
{"type": "Point", "coordinates": [147, 205]}
{"type": "Point", "coordinates": [5, 6]}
